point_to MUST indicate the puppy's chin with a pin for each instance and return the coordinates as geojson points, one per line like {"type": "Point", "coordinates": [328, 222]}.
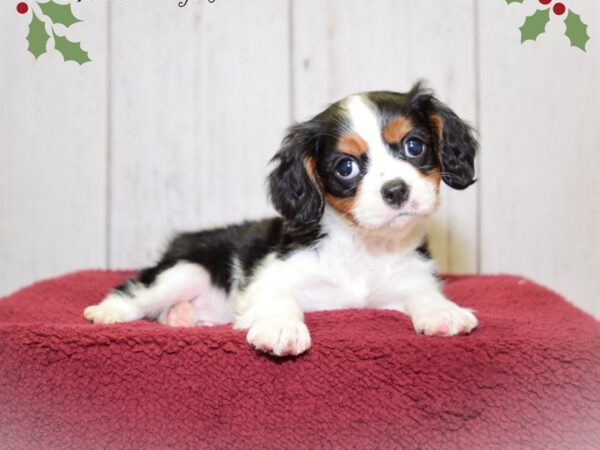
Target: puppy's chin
{"type": "Point", "coordinates": [387, 219]}
{"type": "Point", "coordinates": [399, 222]}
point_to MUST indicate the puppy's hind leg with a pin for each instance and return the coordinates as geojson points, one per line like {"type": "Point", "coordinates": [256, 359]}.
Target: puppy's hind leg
{"type": "Point", "coordinates": [152, 292]}
{"type": "Point", "coordinates": [181, 314]}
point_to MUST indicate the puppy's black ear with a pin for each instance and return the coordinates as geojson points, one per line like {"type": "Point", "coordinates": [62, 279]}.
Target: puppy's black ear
{"type": "Point", "coordinates": [457, 144]}
{"type": "Point", "coordinates": [293, 186]}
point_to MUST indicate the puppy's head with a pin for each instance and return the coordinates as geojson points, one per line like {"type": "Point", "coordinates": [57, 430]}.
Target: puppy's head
{"type": "Point", "coordinates": [375, 158]}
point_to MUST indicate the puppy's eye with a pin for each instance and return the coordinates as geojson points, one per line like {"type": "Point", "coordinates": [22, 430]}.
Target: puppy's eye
{"type": "Point", "coordinates": [347, 169]}
{"type": "Point", "coordinates": [414, 147]}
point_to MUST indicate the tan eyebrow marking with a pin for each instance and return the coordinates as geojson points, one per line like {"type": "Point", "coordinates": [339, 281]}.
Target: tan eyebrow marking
{"type": "Point", "coordinates": [309, 164]}
{"type": "Point", "coordinates": [396, 128]}
{"type": "Point", "coordinates": [437, 123]}
{"type": "Point", "coordinates": [352, 144]}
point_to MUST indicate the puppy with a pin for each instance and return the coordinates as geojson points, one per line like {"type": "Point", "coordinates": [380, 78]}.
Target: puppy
{"type": "Point", "coordinates": [354, 186]}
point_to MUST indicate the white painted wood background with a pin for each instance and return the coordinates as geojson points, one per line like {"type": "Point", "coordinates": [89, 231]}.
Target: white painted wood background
{"type": "Point", "coordinates": [171, 126]}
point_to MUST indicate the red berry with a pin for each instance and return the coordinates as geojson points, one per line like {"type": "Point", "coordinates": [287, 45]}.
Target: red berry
{"type": "Point", "coordinates": [22, 8]}
{"type": "Point", "coordinates": [545, 2]}
{"type": "Point", "coordinates": [559, 9]}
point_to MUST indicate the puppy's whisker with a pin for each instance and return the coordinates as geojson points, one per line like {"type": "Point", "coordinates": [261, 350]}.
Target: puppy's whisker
{"type": "Point", "coordinates": [445, 174]}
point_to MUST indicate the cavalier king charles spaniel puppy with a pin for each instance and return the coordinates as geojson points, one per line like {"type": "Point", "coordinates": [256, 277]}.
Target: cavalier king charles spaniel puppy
{"type": "Point", "coordinates": [354, 187]}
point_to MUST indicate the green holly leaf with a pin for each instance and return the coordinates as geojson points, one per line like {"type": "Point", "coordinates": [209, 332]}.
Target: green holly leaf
{"type": "Point", "coordinates": [71, 51]}
{"type": "Point", "coordinates": [535, 25]}
{"type": "Point", "coordinates": [514, 1]}
{"type": "Point", "coordinates": [576, 31]}
{"type": "Point", "coordinates": [37, 37]}
{"type": "Point", "coordinates": [59, 13]}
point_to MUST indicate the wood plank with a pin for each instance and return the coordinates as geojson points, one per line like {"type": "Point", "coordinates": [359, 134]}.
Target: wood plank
{"type": "Point", "coordinates": [53, 122]}
{"type": "Point", "coordinates": [346, 46]}
{"type": "Point", "coordinates": [540, 104]}
{"type": "Point", "coordinates": [200, 103]}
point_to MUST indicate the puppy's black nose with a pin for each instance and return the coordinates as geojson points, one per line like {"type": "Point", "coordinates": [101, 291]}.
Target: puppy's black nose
{"type": "Point", "coordinates": [395, 193]}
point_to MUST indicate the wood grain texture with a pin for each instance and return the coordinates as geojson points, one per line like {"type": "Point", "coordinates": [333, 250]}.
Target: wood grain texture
{"type": "Point", "coordinates": [540, 104]}
{"type": "Point", "coordinates": [52, 152]}
{"type": "Point", "coordinates": [197, 115]}
{"type": "Point", "coordinates": [346, 46]}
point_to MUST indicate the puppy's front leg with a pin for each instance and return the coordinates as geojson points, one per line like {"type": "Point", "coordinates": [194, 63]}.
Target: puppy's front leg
{"type": "Point", "coordinates": [268, 310]}
{"type": "Point", "coordinates": [434, 315]}
{"type": "Point", "coordinates": [275, 326]}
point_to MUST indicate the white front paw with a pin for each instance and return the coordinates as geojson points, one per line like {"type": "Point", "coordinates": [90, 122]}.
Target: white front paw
{"type": "Point", "coordinates": [444, 319]}
{"type": "Point", "coordinates": [102, 314]}
{"type": "Point", "coordinates": [280, 337]}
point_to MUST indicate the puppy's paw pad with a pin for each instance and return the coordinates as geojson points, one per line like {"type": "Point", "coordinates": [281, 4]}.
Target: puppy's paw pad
{"type": "Point", "coordinates": [181, 315]}
{"type": "Point", "coordinates": [101, 315]}
{"type": "Point", "coordinates": [281, 338]}
{"type": "Point", "coordinates": [445, 320]}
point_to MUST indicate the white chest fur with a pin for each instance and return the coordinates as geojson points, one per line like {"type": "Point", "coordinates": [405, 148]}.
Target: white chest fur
{"type": "Point", "coordinates": [349, 269]}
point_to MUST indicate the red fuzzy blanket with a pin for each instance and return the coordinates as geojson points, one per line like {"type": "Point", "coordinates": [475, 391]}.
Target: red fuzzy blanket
{"type": "Point", "coordinates": [529, 376]}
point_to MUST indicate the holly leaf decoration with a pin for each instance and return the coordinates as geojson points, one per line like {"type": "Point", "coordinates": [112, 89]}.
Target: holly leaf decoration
{"type": "Point", "coordinates": [514, 1]}
{"type": "Point", "coordinates": [59, 13]}
{"type": "Point", "coordinates": [37, 37]}
{"type": "Point", "coordinates": [71, 51]}
{"type": "Point", "coordinates": [576, 31]}
{"type": "Point", "coordinates": [535, 25]}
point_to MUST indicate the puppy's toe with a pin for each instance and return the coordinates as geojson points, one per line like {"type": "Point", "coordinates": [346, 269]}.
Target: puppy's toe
{"type": "Point", "coordinates": [101, 315]}
{"type": "Point", "coordinates": [444, 320]}
{"type": "Point", "coordinates": [281, 338]}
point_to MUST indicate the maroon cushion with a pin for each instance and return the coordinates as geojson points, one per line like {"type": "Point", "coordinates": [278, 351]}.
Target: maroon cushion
{"type": "Point", "coordinates": [529, 376]}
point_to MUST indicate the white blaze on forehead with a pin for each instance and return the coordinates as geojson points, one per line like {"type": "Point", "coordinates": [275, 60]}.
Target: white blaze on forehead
{"type": "Point", "coordinates": [364, 120]}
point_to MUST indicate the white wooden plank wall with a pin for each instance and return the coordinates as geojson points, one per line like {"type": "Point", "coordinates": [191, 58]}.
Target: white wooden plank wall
{"type": "Point", "coordinates": [53, 144]}
{"type": "Point", "coordinates": [172, 125]}
{"type": "Point", "coordinates": [196, 116]}
{"type": "Point", "coordinates": [540, 213]}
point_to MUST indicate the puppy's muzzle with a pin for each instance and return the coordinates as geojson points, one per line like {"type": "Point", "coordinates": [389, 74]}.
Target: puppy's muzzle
{"type": "Point", "coordinates": [395, 193]}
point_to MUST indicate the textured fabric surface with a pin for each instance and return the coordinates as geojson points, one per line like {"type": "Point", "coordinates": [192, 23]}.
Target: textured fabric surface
{"type": "Point", "coordinates": [528, 377]}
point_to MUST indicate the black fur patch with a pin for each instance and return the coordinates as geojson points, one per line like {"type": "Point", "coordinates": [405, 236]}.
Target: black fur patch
{"type": "Point", "coordinates": [457, 144]}
{"type": "Point", "coordinates": [215, 249]}
{"type": "Point", "coordinates": [424, 251]}
{"type": "Point", "coordinates": [295, 192]}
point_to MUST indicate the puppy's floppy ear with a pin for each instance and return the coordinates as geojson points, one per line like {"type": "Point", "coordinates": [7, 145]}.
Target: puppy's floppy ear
{"type": "Point", "coordinates": [456, 141]}
{"type": "Point", "coordinates": [293, 186]}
